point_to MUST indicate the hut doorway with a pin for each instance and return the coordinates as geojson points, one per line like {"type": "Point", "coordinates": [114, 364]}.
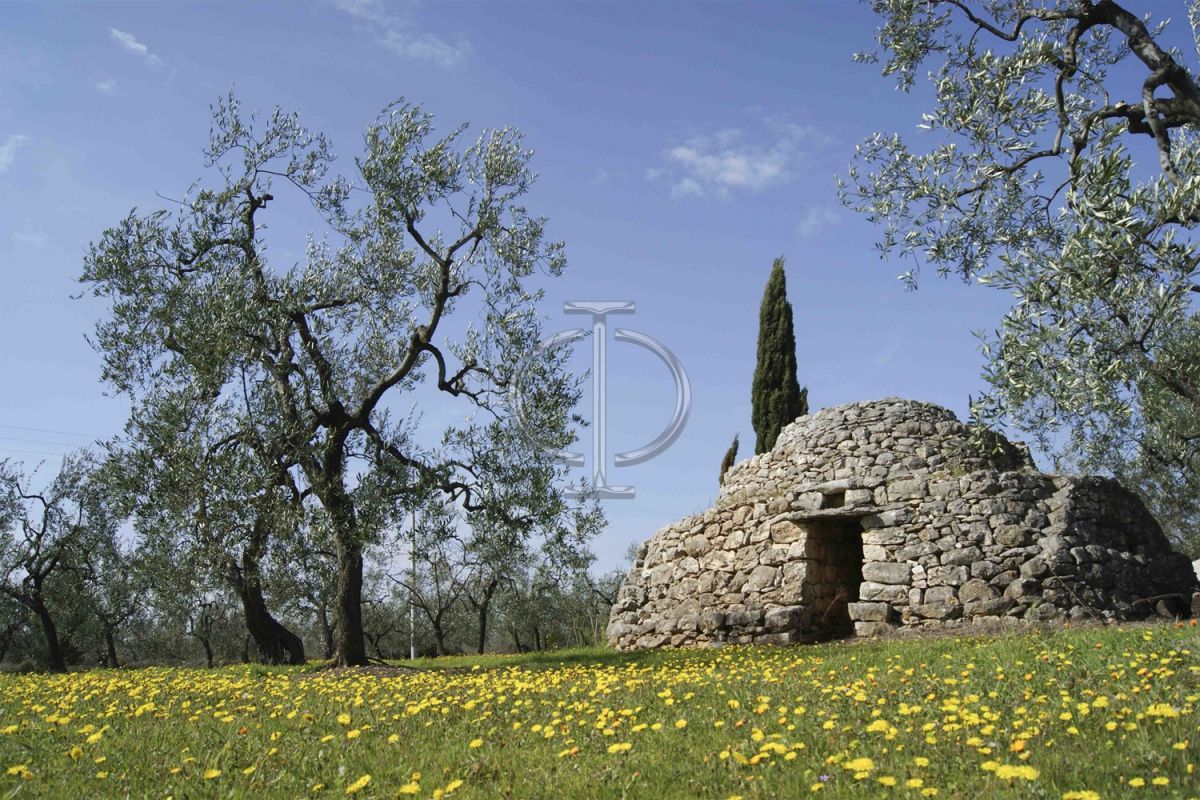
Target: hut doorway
{"type": "Point", "coordinates": [835, 558]}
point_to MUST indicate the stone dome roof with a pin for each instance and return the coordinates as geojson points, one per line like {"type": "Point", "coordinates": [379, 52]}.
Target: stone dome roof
{"type": "Point", "coordinates": [867, 443]}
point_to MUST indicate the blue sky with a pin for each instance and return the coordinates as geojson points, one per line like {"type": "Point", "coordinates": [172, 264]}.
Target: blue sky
{"type": "Point", "coordinates": [680, 148]}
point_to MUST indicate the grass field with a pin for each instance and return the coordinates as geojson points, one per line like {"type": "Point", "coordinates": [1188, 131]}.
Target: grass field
{"type": "Point", "coordinates": [1070, 713]}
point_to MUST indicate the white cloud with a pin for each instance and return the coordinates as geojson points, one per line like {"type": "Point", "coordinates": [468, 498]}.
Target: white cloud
{"type": "Point", "coordinates": [31, 235]}
{"type": "Point", "coordinates": [8, 150]}
{"type": "Point", "coordinates": [128, 42]}
{"type": "Point", "coordinates": [688, 187]}
{"type": "Point", "coordinates": [396, 34]}
{"type": "Point", "coordinates": [728, 160]}
{"type": "Point", "coordinates": [815, 220]}
{"type": "Point", "coordinates": [108, 87]}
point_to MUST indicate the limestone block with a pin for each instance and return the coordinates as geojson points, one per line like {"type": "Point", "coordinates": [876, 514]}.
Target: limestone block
{"type": "Point", "coordinates": [984, 569]}
{"type": "Point", "coordinates": [711, 620]}
{"type": "Point", "coordinates": [887, 519]}
{"type": "Point", "coordinates": [887, 572]}
{"type": "Point", "coordinates": [718, 560]}
{"type": "Point", "coordinates": [975, 589]}
{"type": "Point", "coordinates": [662, 574]}
{"type": "Point", "coordinates": [962, 556]}
{"type": "Point", "coordinates": [948, 575]}
{"type": "Point", "coordinates": [1013, 535]}
{"type": "Point", "coordinates": [938, 610]}
{"type": "Point", "coordinates": [786, 532]}
{"type": "Point", "coordinates": [743, 619]}
{"type": "Point", "coordinates": [773, 556]}
{"type": "Point", "coordinates": [871, 628]}
{"type": "Point", "coordinates": [904, 489]}
{"type": "Point", "coordinates": [871, 612]}
{"type": "Point", "coordinates": [762, 577]}
{"type": "Point", "coordinates": [783, 618]}
{"type": "Point", "coordinates": [859, 497]}
{"type": "Point", "coordinates": [1034, 568]}
{"type": "Point", "coordinates": [869, 590]}
{"type": "Point", "coordinates": [911, 552]}
{"type": "Point", "coordinates": [875, 552]}
{"type": "Point", "coordinates": [939, 594]}
{"type": "Point", "coordinates": [795, 573]}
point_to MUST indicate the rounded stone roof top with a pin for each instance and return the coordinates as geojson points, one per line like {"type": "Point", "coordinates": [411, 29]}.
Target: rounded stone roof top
{"type": "Point", "coordinates": [871, 441]}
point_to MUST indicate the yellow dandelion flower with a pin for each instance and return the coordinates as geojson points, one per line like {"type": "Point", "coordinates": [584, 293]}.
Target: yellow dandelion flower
{"type": "Point", "coordinates": [1161, 781]}
{"type": "Point", "coordinates": [1137, 783]}
{"type": "Point", "coordinates": [211, 773]}
{"type": "Point", "coordinates": [1165, 710]}
{"type": "Point", "coordinates": [1084, 794]}
{"type": "Point", "coordinates": [860, 764]}
{"type": "Point", "coordinates": [410, 788]}
{"type": "Point", "coordinates": [1024, 772]}
{"type": "Point", "coordinates": [681, 723]}
{"type": "Point", "coordinates": [475, 743]}
{"type": "Point", "coordinates": [353, 734]}
{"type": "Point", "coordinates": [887, 780]}
{"type": "Point", "coordinates": [343, 719]}
{"type": "Point", "coordinates": [619, 747]}
{"type": "Point", "coordinates": [360, 784]}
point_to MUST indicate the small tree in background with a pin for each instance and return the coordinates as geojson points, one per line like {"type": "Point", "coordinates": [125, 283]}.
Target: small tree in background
{"type": "Point", "coordinates": [730, 457]}
{"type": "Point", "coordinates": [776, 397]}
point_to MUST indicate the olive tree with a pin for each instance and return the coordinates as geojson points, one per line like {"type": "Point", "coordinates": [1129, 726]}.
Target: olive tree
{"type": "Point", "coordinates": [214, 497]}
{"type": "Point", "coordinates": [1060, 162]}
{"type": "Point", "coordinates": [325, 350]}
{"type": "Point", "coordinates": [47, 532]}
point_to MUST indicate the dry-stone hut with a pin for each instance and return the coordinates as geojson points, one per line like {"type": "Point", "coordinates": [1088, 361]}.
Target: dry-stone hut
{"type": "Point", "coordinates": [877, 516]}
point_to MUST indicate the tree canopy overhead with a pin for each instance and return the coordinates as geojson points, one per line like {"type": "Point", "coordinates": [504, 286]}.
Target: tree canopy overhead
{"type": "Point", "coordinates": [1059, 163]}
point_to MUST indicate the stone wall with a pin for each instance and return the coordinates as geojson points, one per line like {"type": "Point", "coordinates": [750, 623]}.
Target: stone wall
{"type": "Point", "coordinates": [877, 516]}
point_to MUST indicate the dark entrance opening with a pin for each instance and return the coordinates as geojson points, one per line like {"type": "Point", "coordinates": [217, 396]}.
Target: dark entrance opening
{"type": "Point", "coordinates": [834, 500]}
{"type": "Point", "coordinates": [835, 561]}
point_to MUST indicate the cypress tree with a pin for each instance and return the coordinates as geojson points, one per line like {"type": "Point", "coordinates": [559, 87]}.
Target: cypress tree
{"type": "Point", "coordinates": [729, 459]}
{"type": "Point", "coordinates": [775, 395]}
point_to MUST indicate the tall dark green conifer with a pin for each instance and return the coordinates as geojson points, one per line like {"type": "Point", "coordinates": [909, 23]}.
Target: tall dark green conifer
{"type": "Point", "coordinates": [775, 396]}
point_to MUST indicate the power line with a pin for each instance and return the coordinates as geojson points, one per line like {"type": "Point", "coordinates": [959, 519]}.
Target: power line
{"type": "Point", "coordinates": [47, 430]}
{"type": "Point", "coordinates": [31, 452]}
{"type": "Point", "coordinates": [39, 441]}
